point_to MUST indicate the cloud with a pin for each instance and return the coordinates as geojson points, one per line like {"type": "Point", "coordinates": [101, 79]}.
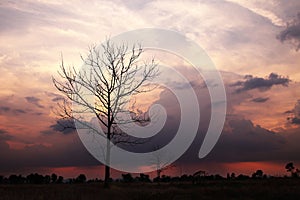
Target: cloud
{"type": "Point", "coordinates": [294, 115]}
{"type": "Point", "coordinates": [47, 132]}
{"type": "Point", "coordinates": [34, 100]}
{"type": "Point", "coordinates": [244, 141]}
{"type": "Point", "coordinates": [55, 97]}
{"type": "Point", "coordinates": [295, 120]}
{"type": "Point", "coordinates": [67, 151]}
{"type": "Point", "coordinates": [262, 84]}
{"type": "Point", "coordinates": [68, 27]}
{"type": "Point", "coordinates": [27, 14]}
{"type": "Point", "coordinates": [19, 111]}
{"type": "Point", "coordinates": [264, 10]}
{"type": "Point", "coordinates": [4, 109]}
{"type": "Point", "coordinates": [13, 107]}
{"type": "Point", "coordinates": [20, 21]}
{"type": "Point", "coordinates": [241, 140]}
{"type": "Point", "coordinates": [66, 126]}
{"type": "Point", "coordinates": [297, 108]}
{"type": "Point", "coordinates": [291, 33]}
{"type": "Point", "coordinates": [260, 99]}
{"type": "Point", "coordinates": [4, 135]}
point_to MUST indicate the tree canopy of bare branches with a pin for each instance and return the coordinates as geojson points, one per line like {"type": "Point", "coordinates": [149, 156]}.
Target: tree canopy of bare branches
{"type": "Point", "coordinates": [110, 75]}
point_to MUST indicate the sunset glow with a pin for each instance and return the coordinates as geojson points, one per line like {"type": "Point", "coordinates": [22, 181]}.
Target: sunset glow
{"type": "Point", "coordinates": [254, 45]}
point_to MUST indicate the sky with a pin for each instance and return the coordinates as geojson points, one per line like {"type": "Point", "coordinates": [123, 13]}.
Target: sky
{"type": "Point", "coordinates": [254, 44]}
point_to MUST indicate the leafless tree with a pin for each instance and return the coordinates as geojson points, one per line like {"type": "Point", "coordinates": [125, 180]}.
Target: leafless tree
{"type": "Point", "coordinates": [111, 73]}
{"type": "Point", "coordinates": [198, 175]}
{"type": "Point", "coordinates": [161, 161]}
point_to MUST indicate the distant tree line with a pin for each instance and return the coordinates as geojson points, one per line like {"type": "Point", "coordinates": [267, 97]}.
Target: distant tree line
{"type": "Point", "coordinates": [196, 178]}
{"type": "Point", "coordinates": [36, 178]}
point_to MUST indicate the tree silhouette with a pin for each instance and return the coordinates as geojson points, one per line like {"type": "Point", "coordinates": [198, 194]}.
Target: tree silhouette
{"type": "Point", "coordinates": [35, 178]}
{"type": "Point", "coordinates": [111, 77]}
{"type": "Point", "coordinates": [53, 178]}
{"type": "Point", "coordinates": [47, 179]}
{"type": "Point", "coordinates": [81, 178]}
{"type": "Point", "coordinates": [258, 174]}
{"type": "Point", "coordinates": [242, 177]}
{"type": "Point", "coordinates": [291, 168]}
{"type": "Point", "coordinates": [232, 176]}
{"type": "Point", "coordinates": [14, 179]}
{"type": "Point", "coordinates": [144, 178]}
{"type": "Point", "coordinates": [127, 178]}
{"type": "Point", "coordinates": [60, 179]}
{"type": "Point", "coordinates": [161, 161]}
{"type": "Point", "coordinates": [198, 176]}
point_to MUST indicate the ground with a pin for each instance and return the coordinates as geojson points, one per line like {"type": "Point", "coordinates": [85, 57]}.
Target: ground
{"type": "Point", "coordinates": [207, 190]}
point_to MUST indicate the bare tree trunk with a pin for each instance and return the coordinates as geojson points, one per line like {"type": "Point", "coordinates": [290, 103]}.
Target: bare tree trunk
{"type": "Point", "coordinates": [110, 77]}
{"type": "Point", "coordinates": [107, 166]}
{"type": "Point", "coordinates": [158, 173]}
{"type": "Point", "coordinates": [107, 176]}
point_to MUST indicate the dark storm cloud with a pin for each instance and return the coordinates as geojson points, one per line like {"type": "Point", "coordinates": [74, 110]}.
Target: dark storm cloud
{"type": "Point", "coordinates": [71, 153]}
{"type": "Point", "coordinates": [242, 141]}
{"type": "Point", "coordinates": [260, 99]}
{"type": "Point", "coordinates": [291, 32]}
{"type": "Point", "coordinates": [66, 126]}
{"type": "Point", "coordinates": [64, 151]}
{"type": "Point", "coordinates": [262, 84]}
{"type": "Point", "coordinates": [34, 100]}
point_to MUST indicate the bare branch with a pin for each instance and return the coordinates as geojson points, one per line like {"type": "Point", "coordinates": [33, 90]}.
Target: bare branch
{"type": "Point", "coordinates": [109, 76]}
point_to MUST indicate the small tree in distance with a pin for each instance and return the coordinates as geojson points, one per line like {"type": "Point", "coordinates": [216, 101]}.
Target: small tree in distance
{"type": "Point", "coordinates": [53, 178]}
{"type": "Point", "coordinates": [291, 168]}
{"type": "Point", "coordinates": [161, 162]}
{"type": "Point", "coordinates": [258, 174]}
{"type": "Point", "coordinates": [80, 179]}
{"type": "Point", "coordinates": [112, 75]}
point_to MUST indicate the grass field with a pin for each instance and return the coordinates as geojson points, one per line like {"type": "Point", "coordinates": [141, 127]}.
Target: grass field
{"type": "Point", "coordinates": [221, 189]}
